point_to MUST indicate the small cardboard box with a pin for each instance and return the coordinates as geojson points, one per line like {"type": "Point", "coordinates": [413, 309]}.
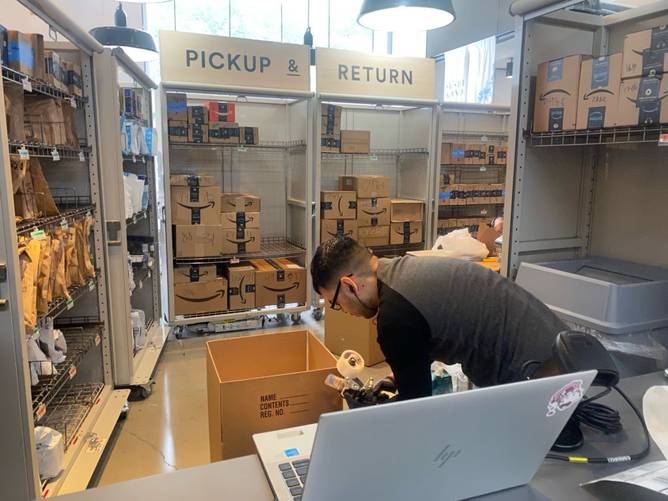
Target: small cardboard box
{"type": "Point", "coordinates": [646, 53]}
{"type": "Point", "coordinates": [337, 228]}
{"type": "Point", "coordinates": [191, 180]}
{"type": "Point", "coordinates": [194, 273]}
{"type": "Point", "coordinates": [39, 68]}
{"type": "Point", "coordinates": [53, 69]}
{"type": "Point", "coordinates": [177, 107]}
{"type": "Point", "coordinates": [409, 232]}
{"type": "Point", "coordinates": [263, 383]}
{"type": "Point", "coordinates": [249, 135]}
{"type": "Point", "coordinates": [279, 282]}
{"type": "Point", "coordinates": [366, 186]}
{"type": "Point", "coordinates": [330, 125]}
{"type": "Point", "coordinates": [240, 220]}
{"type": "Point", "coordinates": [338, 205]}
{"type": "Point", "coordinates": [330, 144]}
{"type": "Point", "coordinates": [20, 53]}
{"type": "Point", "coordinates": [198, 115]}
{"type": "Point", "coordinates": [457, 154]}
{"type": "Point", "coordinates": [74, 80]}
{"type": "Point", "coordinates": [239, 202]}
{"type": "Point", "coordinates": [346, 332]}
{"type": "Point", "coordinates": [178, 131]}
{"type": "Point", "coordinates": [240, 241]}
{"type": "Point", "coordinates": [475, 154]}
{"type": "Point", "coordinates": [221, 111]}
{"type": "Point", "coordinates": [446, 151]}
{"type": "Point", "coordinates": [373, 211]}
{"type": "Point", "coordinates": [374, 236]}
{"type": "Point", "coordinates": [198, 240]}
{"type": "Point", "coordinates": [355, 141]}
{"type": "Point", "coordinates": [200, 297]}
{"type": "Point", "coordinates": [502, 154]}
{"type": "Point", "coordinates": [198, 133]}
{"type": "Point", "coordinates": [406, 210]}
{"type": "Point", "coordinates": [223, 133]}
{"type": "Point", "coordinates": [643, 101]}
{"type": "Point", "coordinates": [600, 80]}
{"type": "Point", "coordinates": [195, 205]}
{"type": "Point", "coordinates": [240, 286]}
{"type": "Point", "coordinates": [557, 86]}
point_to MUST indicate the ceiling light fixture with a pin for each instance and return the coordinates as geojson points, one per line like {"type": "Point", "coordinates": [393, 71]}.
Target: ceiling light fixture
{"type": "Point", "coordinates": [406, 15]}
{"type": "Point", "coordinates": [137, 44]}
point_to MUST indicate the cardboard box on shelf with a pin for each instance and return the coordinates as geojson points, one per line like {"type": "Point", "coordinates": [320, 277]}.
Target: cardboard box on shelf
{"type": "Point", "coordinates": [346, 332]}
{"type": "Point", "coordinates": [374, 236]}
{"type": "Point", "coordinates": [409, 232]}
{"type": "Point", "coordinates": [74, 81]}
{"type": "Point", "coordinates": [446, 152]}
{"type": "Point", "coordinates": [177, 106]}
{"type": "Point", "coordinates": [330, 144]}
{"type": "Point", "coordinates": [475, 154]}
{"type": "Point", "coordinates": [366, 186]}
{"type": "Point", "coordinates": [249, 135]}
{"type": "Point", "coordinates": [198, 133]}
{"type": "Point", "coordinates": [200, 297]}
{"type": "Point", "coordinates": [355, 141]}
{"type": "Point", "coordinates": [646, 53]}
{"type": "Point", "coordinates": [403, 210]}
{"type": "Point", "coordinates": [221, 111]}
{"type": "Point", "coordinates": [643, 101]}
{"type": "Point", "coordinates": [502, 154]}
{"type": "Point", "coordinates": [263, 383]}
{"type": "Point", "coordinates": [556, 102]}
{"type": "Point", "coordinates": [198, 115]}
{"type": "Point", "coordinates": [240, 286]}
{"type": "Point", "coordinates": [331, 110]}
{"type": "Point", "coordinates": [239, 202]}
{"type": "Point", "coordinates": [178, 131]}
{"type": "Point", "coordinates": [186, 274]}
{"type": "Point", "coordinates": [240, 241]}
{"type": "Point", "coordinates": [223, 133]}
{"type": "Point", "coordinates": [373, 211]}
{"type": "Point", "coordinates": [20, 53]}
{"type": "Point", "coordinates": [39, 68]}
{"type": "Point", "coordinates": [600, 80]}
{"type": "Point", "coordinates": [240, 220]}
{"type": "Point", "coordinates": [456, 154]}
{"type": "Point", "coordinates": [197, 180]}
{"type": "Point", "coordinates": [330, 125]}
{"type": "Point", "coordinates": [195, 205]}
{"type": "Point", "coordinates": [488, 235]}
{"type": "Point", "coordinates": [198, 240]}
{"type": "Point", "coordinates": [53, 69]}
{"type": "Point", "coordinates": [338, 205]}
{"type": "Point", "coordinates": [279, 282]}
{"type": "Point", "coordinates": [337, 228]}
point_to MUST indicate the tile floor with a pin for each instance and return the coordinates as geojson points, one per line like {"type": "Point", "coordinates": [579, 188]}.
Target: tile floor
{"type": "Point", "coordinates": [169, 430]}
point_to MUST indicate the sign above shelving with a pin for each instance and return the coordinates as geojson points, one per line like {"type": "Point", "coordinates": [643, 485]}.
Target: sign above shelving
{"type": "Point", "coordinates": [344, 72]}
{"type": "Point", "coordinates": [191, 58]}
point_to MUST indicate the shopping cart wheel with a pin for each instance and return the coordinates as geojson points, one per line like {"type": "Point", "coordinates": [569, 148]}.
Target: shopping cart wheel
{"type": "Point", "coordinates": [296, 318]}
{"type": "Point", "coordinates": [317, 313]}
{"type": "Point", "coordinates": [178, 332]}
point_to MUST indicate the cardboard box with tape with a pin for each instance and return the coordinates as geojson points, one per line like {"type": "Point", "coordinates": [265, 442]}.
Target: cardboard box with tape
{"type": "Point", "coordinates": [646, 53]}
{"type": "Point", "coordinates": [557, 94]}
{"type": "Point", "coordinates": [643, 102]}
{"type": "Point", "coordinates": [249, 135]}
{"type": "Point", "coordinates": [373, 211]}
{"type": "Point", "coordinates": [240, 286]}
{"type": "Point", "coordinates": [279, 282]}
{"type": "Point", "coordinates": [198, 133]}
{"type": "Point", "coordinates": [200, 297]}
{"type": "Point", "coordinates": [239, 202]}
{"type": "Point", "coordinates": [178, 131]}
{"type": "Point", "coordinates": [338, 205]}
{"type": "Point", "coordinates": [600, 80]}
{"type": "Point", "coordinates": [186, 274]}
{"type": "Point", "coordinates": [240, 241]}
{"type": "Point", "coordinates": [330, 144]}
{"type": "Point", "coordinates": [240, 220]}
{"type": "Point", "coordinates": [195, 203]}
{"type": "Point", "coordinates": [366, 186]}
{"type": "Point", "coordinates": [39, 68]}
{"type": "Point", "coordinates": [453, 153]}
{"type": "Point", "coordinates": [337, 228]}
{"type": "Point", "coordinates": [262, 383]}
{"type": "Point", "coordinates": [356, 141]}
{"type": "Point", "coordinates": [223, 133]}
{"type": "Point", "coordinates": [403, 210]}
{"type": "Point", "coordinates": [198, 115]}
{"type": "Point", "coordinates": [409, 232]}
{"type": "Point", "coordinates": [198, 240]}
{"type": "Point", "coordinates": [221, 111]}
{"type": "Point", "coordinates": [177, 107]}
{"type": "Point", "coordinates": [374, 236]}
{"type": "Point", "coordinates": [20, 53]}
{"type": "Point", "coordinates": [346, 332]}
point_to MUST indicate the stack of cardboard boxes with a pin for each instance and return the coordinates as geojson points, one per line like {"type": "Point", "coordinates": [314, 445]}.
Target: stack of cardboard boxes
{"type": "Point", "coordinates": [338, 214]}
{"type": "Point", "coordinates": [373, 207]}
{"type": "Point", "coordinates": [471, 194]}
{"type": "Point", "coordinates": [474, 154]}
{"type": "Point", "coordinates": [406, 221]}
{"type": "Point", "coordinates": [580, 92]}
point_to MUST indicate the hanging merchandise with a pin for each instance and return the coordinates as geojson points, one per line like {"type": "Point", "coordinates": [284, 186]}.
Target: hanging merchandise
{"type": "Point", "coordinates": [25, 204]}
{"type": "Point", "coordinates": [29, 253]}
{"type": "Point", "coordinates": [47, 339]}
{"type": "Point", "coordinates": [59, 341]}
{"type": "Point", "coordinates": [43, 275]}
{"type": "Point", "coordinates": [50, 452]}
{"type": "Point", "coordinates": [60, 280]}
{"type": "Point", "coordinates": [37, 359]}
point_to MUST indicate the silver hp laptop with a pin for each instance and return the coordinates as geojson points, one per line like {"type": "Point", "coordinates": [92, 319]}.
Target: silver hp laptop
{"type": "Point", "coordinates": [451, 446]}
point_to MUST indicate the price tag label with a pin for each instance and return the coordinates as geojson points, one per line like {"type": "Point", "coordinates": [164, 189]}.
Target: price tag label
{"type": "Point", "coordinates": [82, 157]}
{"type": "Point", "coordinates": [41, 410]}
{"type": "Point", "coordinates": [91, 285]}
{"type": "Point", "coordinates": [72, 372]}
{"type": "Point", "coordinates": [73, 102]}
{"type": "Point", "coordinates": [55, 155]}
{"type": "Point", "coordinates": [70, 303]}
{"type": "Point", "coordinates": [23, 153]}
{"type": "Point", "coordinates": [483, 212]}
{"type": "Point", "coordinates": [663, 139]}
{"type": "Point", "coordinates": [234, 260]}
{"type": "Point", "coordinates": [63, 224]}
{"type": "Point", "coordinates": [483, 169]}
{"type": "Point", "coordinates": [88, 214]}
{"type": "Point", "coordinates": [134, 159]}
{"type": "Point", "coordinates": [27, 85]}
{"type": "Point", "coordinates": [35, 331]}
{"type": "Point", "coordinates": [242, 149]}
{"type": "Point", "coordinates": [98, 340]}
{"type": "Point", "coordinates": [373, 157]}
{"type": "Point", "coordinates": [37, 234]}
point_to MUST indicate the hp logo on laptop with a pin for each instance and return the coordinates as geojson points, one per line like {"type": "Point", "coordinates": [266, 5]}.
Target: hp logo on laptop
{"type": "Point", "coordinates": [446, 454]}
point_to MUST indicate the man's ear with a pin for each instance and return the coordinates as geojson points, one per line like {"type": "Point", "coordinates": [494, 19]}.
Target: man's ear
{"type": "Point", "coordinates": [350, 283]}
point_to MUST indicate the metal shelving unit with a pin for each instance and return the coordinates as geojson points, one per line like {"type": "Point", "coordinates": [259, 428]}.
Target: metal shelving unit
{"type": "Point", "coordinates": [271, 247]}
{"type": "Point", "coordinates": [74, 181]}
{"type": "Point", "coordinates": [597, 137]}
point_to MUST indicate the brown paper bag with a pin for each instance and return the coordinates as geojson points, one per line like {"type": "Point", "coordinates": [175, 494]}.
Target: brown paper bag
{"type": "Point", "coordinates": [25, 205]}
{"type": "Point", "coordinates": [46, 206]}
{"type": "Point", "coordinates": [89, 268]}
{"type": "Point", "coordinates": [71, 258]}
{"type": "Point", "coordinates": [57, 257]}
{"type": "Point", "coordinates": [14, 112]}
{"type": "Point", "coordinates": [82, 249]}
{"type": "Point", "coordinates": [29, 254]}
{"type": "Point", "coordinates": [61, 282]}
{"type": "Point", "coordinates": [43, 277]}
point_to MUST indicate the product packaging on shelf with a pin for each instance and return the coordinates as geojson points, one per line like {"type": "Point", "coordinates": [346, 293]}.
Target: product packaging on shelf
{"type": "Point", "coordinates": [338, 205]}
{"type": "Point", "coordinates": [600, 80]}
{"type": "Point", "coordinates": [366, 186]}
{"type": "Point", "coordinates": [221, 111]}
{"type": "Point", "coordinates": [263, 383]}
{"type": "Point", "coordinates": [198, 115]}
{"type": "Point", "coordinates": [15, 112]}
{"type": "Point", "coordinates": [346, 332]}
{"type": "Point", "coordinates": [39, 65]}
{"type": "Point", "coordinates": [373, 211]}
{"type": "Point", "coordinates": [177, 107]}
{"type": "Point", "coordinates": [355, 141]}
{"type": "Point", "coordinates": [185, 274]}
{"type": "Point", "coordinates": [646, 53]}
{"type": "Point", "coordinates": [74, 81]}
{"type": "Point", "coordinates": [330, 144]}
{"type": "Point", "coordinates": [502, 154]}
{"type": "Point", "coordinates": [200, 297]}
{"type": "Point", "coordinates": [330, 120]}
{"type": "Point", "coordinates": [240, 220]}
{"type": "Point", "coordinates": [198, 133]}
{"type": "Point", "coordinates": [249, 135]}
{"type": "Point", "coordinates": [20, 54]}
{"type": "Point", "coordinates": [643, 102]}
{"type": "Point", "coordinates": [403, 210]}
{"type": "Point", "coordinates": [223, 133]}
{"type": "Point", "coordinates": [409, 232]}
{"type": "Point", "coordinates": [374, 236]}
{"type": "Point", "coordinates": [195, 203]}
{"type": "Point", "coordinates": [337, 228]}
{"type": "Point", "coordinates": [178, 131]}
{"type": "Point", "coordinates": [198, 240]}
{"type": "Point", "coordinates": [557, 94]}
{"type": "Point", "coordinates": [239, 202]}
{"type": "Point", "coordinates": [240, 241]}
{"type": "Point", "coordinates": [55, 74]}
{"type": "Point", "coordinates": [240, 286]}
{"type": "Point", "coordinates": [279, 282]}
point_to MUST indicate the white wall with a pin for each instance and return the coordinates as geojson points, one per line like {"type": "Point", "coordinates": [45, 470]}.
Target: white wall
{"type": "Point", "coordinates": [502, 88]}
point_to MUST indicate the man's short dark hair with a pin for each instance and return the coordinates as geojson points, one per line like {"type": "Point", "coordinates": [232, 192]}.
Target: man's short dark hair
{"type": "Point", "coordinates": [335, 258]}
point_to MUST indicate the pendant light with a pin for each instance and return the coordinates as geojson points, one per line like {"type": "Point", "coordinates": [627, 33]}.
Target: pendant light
{"type": "Point", "coordinates": [406, 15]}
{"type": "Point", "coordinates": [137, 44]}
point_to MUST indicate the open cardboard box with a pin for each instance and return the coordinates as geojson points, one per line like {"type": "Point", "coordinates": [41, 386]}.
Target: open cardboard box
{"type": "Point", "coordinates": [263, 383]}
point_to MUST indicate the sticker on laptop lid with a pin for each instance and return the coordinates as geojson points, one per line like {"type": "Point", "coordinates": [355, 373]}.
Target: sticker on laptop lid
{"type": "Point", "coordinates": [290, 453]}
{"type": "Point", "coordinates": [564, 399]}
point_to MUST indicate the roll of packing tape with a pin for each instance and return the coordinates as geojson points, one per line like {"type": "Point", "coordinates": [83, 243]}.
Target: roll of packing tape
{"type": "Point", "coordinates": [350, 364]}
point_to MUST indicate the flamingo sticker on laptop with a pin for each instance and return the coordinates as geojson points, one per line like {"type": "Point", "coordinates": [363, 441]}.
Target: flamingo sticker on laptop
{"type": "Point", "coordinates": [567, 396]}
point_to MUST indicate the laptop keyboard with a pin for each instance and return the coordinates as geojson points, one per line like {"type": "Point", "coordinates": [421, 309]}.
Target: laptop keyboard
{"type": "Point", "coordinates": [294, 474]}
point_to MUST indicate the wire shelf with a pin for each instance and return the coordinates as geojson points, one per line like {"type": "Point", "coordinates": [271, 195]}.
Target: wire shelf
{"type": "Point", "coordinates": [70, 407]}
{"type": "Point", "coordinates": [382, 152]}
{"type": "Point", "coordinates": [271, 247]}
{"type": "Point", "coordinates": [266, 145]}
{"type": "Point", "coordinates": [137, 159]}
{"type": "Point", "coordinates": [38, 86]}
{"type": "Point", "coordinates": [79, 342]}
{"type": "Point", "coordinates": [617, 135]}
{"type": "Point", "coordinates": [462, 174]}
{"type": "Point", "coordinates": [470, 211]}
{"type": "Point", "coordinates": [46, 151]}
{"type": "Point", "coordinates": [58, 306]}
{"type": "Point", "coordinates": [64, 218]}
{"type": "Point", "coordinates": [137, 217]}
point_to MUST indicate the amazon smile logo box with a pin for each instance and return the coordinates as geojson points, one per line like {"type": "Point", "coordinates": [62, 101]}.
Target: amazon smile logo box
{"type": "Point", "coordinates": [279, 282]}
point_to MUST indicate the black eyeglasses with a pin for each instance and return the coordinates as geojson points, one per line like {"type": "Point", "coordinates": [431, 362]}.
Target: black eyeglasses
{"type": "Point", "coordinates": [334, 305]}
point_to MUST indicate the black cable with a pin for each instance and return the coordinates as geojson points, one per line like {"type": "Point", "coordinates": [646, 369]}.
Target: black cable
{"type": "Point", "coordinates": [604, 418]}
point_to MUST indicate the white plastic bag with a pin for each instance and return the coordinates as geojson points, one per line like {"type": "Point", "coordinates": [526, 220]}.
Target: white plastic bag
{"type": "Point", "coordinates": [462, 245]}
{"type": "Point", "coordinates": [47, 338]}
{"type": "Point", "coordinates": [61, 343]}
{"type": "Point", "coordinates": [38, 360]}
{"type": "Point", "coordinates": [138, 318]}
{"type": "Point", "coordinates": [50, 451]}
